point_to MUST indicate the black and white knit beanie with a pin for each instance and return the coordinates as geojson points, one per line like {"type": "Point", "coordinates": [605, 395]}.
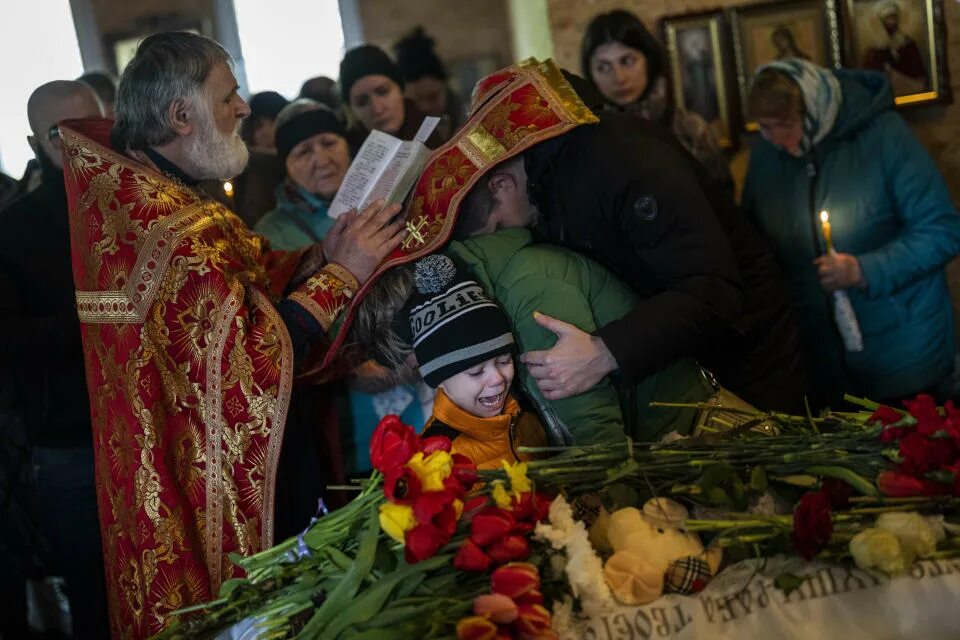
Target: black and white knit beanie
{"type": "Point", "coordinates": [453, 324]}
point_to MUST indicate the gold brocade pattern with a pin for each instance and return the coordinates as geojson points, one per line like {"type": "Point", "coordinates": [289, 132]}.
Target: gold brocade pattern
{"type": "Point", "coordinates": [513, 109]}
{"type": "Point", "coordinates": [190, 370]}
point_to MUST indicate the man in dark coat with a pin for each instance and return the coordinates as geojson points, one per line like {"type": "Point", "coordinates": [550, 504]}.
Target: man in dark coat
{"type": "Point", "coordinates": [42, 361]}
{"type": "Point", "coordinates": [624, 193]}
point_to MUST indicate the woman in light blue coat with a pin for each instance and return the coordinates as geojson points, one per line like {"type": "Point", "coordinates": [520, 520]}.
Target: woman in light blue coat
{"type": "Point", "coordinates": [832, 141]}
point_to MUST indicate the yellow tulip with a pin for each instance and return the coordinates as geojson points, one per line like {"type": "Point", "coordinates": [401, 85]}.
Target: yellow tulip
{"type": "Point", "coordinates": [396, 520]}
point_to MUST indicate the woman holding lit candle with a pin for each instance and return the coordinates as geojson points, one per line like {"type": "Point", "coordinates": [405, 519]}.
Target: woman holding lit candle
{"type": "Point", "coordinates": [852, 203]}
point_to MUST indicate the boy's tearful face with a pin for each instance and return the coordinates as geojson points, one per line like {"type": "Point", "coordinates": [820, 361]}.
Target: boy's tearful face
{"type": "Point", "coordinates": [482, 389]}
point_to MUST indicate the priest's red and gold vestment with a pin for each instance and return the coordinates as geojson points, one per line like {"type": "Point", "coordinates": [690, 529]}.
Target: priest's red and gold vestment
{"type": "Point", "coordinates": [189, 368]}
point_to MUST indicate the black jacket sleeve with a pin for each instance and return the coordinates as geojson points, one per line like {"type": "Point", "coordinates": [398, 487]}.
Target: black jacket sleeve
{"type": "Point", "coordinates": [674, 252]}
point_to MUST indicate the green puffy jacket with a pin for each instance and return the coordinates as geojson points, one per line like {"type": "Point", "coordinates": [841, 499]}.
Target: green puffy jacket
{"type": "Point", "coordinates": [525, 277]}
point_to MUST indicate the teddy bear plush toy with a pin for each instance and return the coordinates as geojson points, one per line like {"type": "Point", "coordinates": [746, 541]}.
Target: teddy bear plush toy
{"type": "Point", "coordinates": [653, 553]}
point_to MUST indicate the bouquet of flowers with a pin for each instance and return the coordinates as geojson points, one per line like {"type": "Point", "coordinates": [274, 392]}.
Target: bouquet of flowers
{"type": "Point", "coordinates": [430, 547]}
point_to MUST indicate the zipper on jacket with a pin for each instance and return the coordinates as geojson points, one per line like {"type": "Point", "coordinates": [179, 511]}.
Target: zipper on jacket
{"type": "Point", "coordinates": [511, 435]}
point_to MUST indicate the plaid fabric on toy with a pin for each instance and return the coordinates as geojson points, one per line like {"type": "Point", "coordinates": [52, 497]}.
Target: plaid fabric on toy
{"type": "Point", "coordinates": [686, 576]}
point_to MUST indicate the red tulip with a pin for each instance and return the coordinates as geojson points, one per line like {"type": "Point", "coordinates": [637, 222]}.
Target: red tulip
{"type": "Point", "coordinates": [475, 504]}
{"type": "Point", "coordinates": [509, 549]}
{"type": "Point", "coordinates": [429, 503]}
{"type": "Point", "coordinates": [495, 607]}
{"type": "Point", "coordinates": [530, 597]}
{"type": "Point", "coordinates": [392, 444]}
{"type": "Point", "coordinates": [515, 579]}
{"type": "Point", "coordinates": [446, 520]}
{"type": "Point", "coordinates": [471, 557]}
{"type": "Point", "coordinates": [896, 484]}
{"type": "Point", "coordinates": [401, 485]}
{"type": "Point", "coordinates": [434, 443]}
{"type": "Point", "coordinates": [464, 470]}
{"type": "Point", "coordinates": [532, 620]}
{"type": "Point", "coordinates": [476, 628]}
{"type": "Point", "coordinates": [422, 542]}
{"type": "Point", "coordinates": [491, 525]}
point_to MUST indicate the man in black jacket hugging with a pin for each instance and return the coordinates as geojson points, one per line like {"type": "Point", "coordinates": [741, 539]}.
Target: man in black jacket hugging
{"type": "Point", "coordinates": [628, 196]}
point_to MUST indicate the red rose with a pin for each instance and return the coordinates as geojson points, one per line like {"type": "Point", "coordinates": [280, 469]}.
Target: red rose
{"type": "Point", "coordinates": [401, 485]}
{"type": "Point", "coordinates": [838, 492]}
{"type": "Point", "coordinates": [509, 549]}
{"type": "Point", "coordinates": [896, 484]}
{"type": "Point", "coordinates": [812, 525]}
{"type": "Point", "coordinates": [471, 557]}
{"type": "Point", "coordinates": [434, 443]}
{"type": "Point", "coordinates": [886, 415]}
{"type": "Point", "coordinates": [923, 408]}
{"type": "Point", "coordinates": [491, 525]}
{"type": "Point", "coordinates": [392, 444]}
{"type": "Point", "coordinates": [422, 542]}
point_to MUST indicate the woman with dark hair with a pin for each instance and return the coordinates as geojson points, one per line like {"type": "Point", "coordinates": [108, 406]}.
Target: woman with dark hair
{"type": "Point", "coordinates": [426, 80]}
{"type": "Point", "coordinates": [626, 63]}
{"type": "Point", "coordinates": [371, 86]}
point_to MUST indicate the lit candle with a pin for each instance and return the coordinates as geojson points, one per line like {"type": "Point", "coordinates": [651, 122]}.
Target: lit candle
{"type": "Point", "coordinates": [228, 189]}
{"type": "Point", "coordinates": [825, 223]}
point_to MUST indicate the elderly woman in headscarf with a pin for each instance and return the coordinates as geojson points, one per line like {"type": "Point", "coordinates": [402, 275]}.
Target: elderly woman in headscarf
{"type": "Point", "coordinates": [628, 66]}
{"type": "Point", "coordinates": [832, 141]}
{"type": "Point", "coordinates": [311, 142]}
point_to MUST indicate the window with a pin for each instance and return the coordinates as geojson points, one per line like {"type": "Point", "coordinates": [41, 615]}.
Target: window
{"type": "Point", "coordinates": [285, 42]}
{"type": "Point", "coordinates": [26, 28]}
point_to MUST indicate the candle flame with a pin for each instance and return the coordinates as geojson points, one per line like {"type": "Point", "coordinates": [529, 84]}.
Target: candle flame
{"type": "Point", "coordinates": [228, 189]}
{"type": "Point", "coordinates": [824, 216]}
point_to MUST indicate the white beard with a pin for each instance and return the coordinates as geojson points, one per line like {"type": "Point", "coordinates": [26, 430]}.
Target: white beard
{"type": "Point", "coordinates": [213, 155]}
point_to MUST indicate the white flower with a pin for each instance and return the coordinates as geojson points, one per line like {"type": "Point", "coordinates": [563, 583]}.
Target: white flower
{"type": "Point", "coordinates": [584, 568]}
{"type": "Point", "coordinates": [875, 548]}
{"type": "Point", "coordinates": [562, 620]}
{"type": "Point", "coordinates": [915, 532]}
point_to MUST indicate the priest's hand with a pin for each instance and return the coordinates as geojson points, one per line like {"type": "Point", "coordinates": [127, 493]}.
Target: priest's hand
{"type": "Point", "coordinates": [838, 271]}
{"type": "Point", "coordinates": [360, 242]}
{"type": "Point", "coordinates": [576, 363]}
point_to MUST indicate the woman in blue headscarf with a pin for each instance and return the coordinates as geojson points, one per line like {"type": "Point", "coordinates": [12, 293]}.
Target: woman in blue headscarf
{"type": "Point", "coordinates": [833, 142]}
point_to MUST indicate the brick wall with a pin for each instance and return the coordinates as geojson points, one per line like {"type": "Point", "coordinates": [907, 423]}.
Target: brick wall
{"type": "Point", "coordinates": [461, 29]}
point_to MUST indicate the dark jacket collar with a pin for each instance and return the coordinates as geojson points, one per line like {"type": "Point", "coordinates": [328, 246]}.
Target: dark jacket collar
{"type": "Point", "coordinates": [167, 167]}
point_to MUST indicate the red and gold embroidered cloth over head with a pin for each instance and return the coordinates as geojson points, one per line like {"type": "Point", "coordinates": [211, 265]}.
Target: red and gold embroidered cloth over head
{"type": "Point", "coordinates": [513, 110]}
{"type": "Point", "coordinates": [189, 369]}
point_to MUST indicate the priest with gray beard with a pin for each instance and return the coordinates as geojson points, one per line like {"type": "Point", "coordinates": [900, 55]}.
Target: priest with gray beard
{"type": "Point", "coordinates": [193, 329]}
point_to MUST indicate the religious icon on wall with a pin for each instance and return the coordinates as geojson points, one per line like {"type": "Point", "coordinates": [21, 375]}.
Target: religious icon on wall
{"type": "Point", "coordinates": [700, 68]}
{"type": "Point", "coordinates": [806, 29]}
{"type": "Point", "coordinates": [904, 39]}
